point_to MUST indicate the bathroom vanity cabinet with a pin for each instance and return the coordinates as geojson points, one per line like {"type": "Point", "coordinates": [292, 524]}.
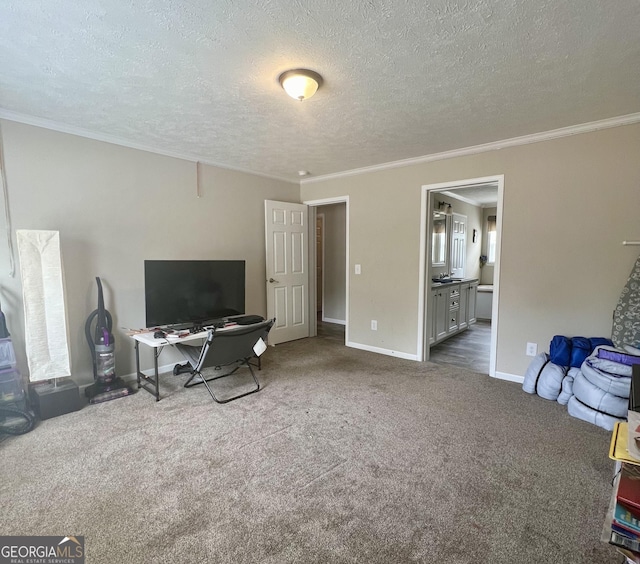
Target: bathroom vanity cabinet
{"type": "Point", "coordinates": [453, 308]}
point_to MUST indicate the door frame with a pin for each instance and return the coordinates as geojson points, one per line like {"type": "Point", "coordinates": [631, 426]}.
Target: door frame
{"type": "Point", "coordinates": [320, 216]}
{"type": "Point", "coordinates": [313, 321]}
{"type": "Point", "coordinates": [424, 293]}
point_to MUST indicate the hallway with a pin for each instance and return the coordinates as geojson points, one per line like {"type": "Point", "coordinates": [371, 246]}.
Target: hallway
{"type": "Point", "coordinates": [330, 331]}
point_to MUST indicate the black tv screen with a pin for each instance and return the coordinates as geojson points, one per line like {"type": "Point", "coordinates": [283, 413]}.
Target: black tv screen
{"type": "Point", "coordinates": [193, 291]}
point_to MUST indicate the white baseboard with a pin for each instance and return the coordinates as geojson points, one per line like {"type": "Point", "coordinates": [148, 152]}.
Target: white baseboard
{"type": "Point", "coordinates": [150, 371]}
{"type": "Point", "coordinates": [336, 321]}
{"type": "Point", "coordinates": [499, 375]}
{"type": "Point", "coordinates": [509, 377]}
{"type": "Point", "coordinates": [379, 350]}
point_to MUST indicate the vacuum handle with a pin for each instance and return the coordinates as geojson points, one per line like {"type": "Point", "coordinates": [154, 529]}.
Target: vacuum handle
{"type": "Point", "coordinates": [102, 318]}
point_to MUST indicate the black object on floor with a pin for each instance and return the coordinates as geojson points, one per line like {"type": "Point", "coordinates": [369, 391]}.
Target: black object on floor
{"type": "Point", "coordinates": [50, 400]}
{"type": "Point", "coordinates": [14, 421]}
{"type": "Point", "coordinates": [181, 369]}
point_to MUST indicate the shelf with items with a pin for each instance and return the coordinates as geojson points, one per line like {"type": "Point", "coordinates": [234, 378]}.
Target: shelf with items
{"type": "Point", "coordinates": [622, 524]}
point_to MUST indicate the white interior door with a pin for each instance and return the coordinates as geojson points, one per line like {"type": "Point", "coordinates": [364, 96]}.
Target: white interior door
{"type": "Point", "coordinates": [458, 244]}
{"type": "Point", "coordinates": [287, 270]}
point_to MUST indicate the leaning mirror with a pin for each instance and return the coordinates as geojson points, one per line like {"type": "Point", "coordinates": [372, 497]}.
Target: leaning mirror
{"type": "Point", "coordinates": [439, 239]}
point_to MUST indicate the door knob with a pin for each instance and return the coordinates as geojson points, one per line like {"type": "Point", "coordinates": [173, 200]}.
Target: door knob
{"type": "Point", "coordinates": [272, 281]}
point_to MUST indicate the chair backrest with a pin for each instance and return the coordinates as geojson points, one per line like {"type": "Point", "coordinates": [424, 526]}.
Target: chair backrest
{"type": "Point", "coordinates": [225, 347]}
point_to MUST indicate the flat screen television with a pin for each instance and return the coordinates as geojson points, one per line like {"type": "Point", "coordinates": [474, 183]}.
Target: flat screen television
{"type": "Point", "coordinates": [193, 292]}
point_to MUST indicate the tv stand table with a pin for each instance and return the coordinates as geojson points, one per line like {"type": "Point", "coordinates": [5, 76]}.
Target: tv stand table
{"type": "Point", "coordinates": [152, 383]}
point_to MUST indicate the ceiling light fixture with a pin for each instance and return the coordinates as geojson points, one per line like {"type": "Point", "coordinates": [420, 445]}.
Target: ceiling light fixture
{"type": "Point", "coordinates": [300, 83]}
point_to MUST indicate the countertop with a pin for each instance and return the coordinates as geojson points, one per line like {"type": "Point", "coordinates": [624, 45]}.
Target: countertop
{"type": "Point", "coordinates": [451, 282]}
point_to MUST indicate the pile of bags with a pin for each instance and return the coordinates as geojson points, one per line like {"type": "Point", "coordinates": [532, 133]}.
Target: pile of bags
{"type": "Point", "coordinates": [590, 376]}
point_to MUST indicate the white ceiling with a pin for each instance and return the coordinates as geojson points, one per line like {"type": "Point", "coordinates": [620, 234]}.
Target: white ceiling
{"type": "Point", "coordinates": [402, 79]}
{"type": "Point", "coordinates": [483, 195]}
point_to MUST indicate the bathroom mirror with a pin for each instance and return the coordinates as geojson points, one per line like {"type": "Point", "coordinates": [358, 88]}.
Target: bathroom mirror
{"type": "Point", "coordinates": [439, 239]}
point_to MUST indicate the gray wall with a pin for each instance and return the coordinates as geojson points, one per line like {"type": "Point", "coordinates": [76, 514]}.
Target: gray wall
{"type": "Point", "coordinates": [562, 263]}
{"type": "Point", "coordinates": [568, 205]}
{"type": "Point", "coordinates": [115, 207]}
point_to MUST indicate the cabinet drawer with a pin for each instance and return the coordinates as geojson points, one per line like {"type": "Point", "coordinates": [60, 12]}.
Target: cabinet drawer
{"type": "Point", "coordinates": [454, 298]}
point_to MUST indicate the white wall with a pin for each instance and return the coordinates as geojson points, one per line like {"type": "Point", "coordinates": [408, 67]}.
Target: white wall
{"type": "Point", "coordinates": [568, 204]}
{"type": "Point", "coordinates": [116, 207]}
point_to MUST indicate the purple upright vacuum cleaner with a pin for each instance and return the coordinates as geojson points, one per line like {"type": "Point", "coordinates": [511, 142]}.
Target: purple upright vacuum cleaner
{"type": "Point", "coordinates": [107, 385]}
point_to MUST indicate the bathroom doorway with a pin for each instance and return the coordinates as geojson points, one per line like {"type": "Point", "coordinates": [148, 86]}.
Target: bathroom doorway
{"type": "Point", "coordinates": [471, 340]}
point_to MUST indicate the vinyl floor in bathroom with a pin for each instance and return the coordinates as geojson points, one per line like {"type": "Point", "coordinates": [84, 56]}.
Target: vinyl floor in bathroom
{"type": "Point", "coordinates": [469, 349]}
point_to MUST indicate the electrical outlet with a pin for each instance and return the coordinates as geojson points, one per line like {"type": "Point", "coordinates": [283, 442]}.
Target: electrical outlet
{"type": "Point", "coordinates": [358, 269]}
{"type": "Point", "coordinates": [374, 325]}
{"type": "Point", "coordinates": [532, 349]}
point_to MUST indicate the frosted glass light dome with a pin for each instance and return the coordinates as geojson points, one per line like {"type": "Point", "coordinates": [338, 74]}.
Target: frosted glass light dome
{"type": "Point", "coordinates": [300, 84]}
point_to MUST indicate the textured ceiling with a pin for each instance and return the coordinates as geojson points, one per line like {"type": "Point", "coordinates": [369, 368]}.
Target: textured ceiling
{"type": "Point", "coordinates": [479, 194]}
{"type": "Point", "coordinates": [402, 78]}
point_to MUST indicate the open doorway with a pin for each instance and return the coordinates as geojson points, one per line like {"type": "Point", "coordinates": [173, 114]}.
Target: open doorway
{"type": "Point", "coordinates": [328, 295]}
{"type": "Point", "coordinates": [460, 250]}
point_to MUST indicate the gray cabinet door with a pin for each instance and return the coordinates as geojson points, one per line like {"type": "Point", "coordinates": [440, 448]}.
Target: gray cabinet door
{"type": "Point", "coordinates": [473, 294]}
{"type": "Point", "coordinates": [463, 318]}
{"type": "Point", "coordinates": [441, 310]}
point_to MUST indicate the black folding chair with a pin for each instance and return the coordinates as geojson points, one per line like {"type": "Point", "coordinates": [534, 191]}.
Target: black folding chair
{"type": "Point", "coordinates": [222, 349]}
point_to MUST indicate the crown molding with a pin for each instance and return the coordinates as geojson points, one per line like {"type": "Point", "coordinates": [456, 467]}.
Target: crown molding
{"type": "Point", "coordinates": [628, 119]}
{"type": "Point", "coordinates": [115, 140]}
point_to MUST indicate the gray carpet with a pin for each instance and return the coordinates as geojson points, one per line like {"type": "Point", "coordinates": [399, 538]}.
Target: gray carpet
{"type": "Point", "coordinates": [344, 456]}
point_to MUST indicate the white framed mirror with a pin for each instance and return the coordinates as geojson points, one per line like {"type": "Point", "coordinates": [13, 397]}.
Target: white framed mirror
{"type": "Point", "coordinates": [439, 239]}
